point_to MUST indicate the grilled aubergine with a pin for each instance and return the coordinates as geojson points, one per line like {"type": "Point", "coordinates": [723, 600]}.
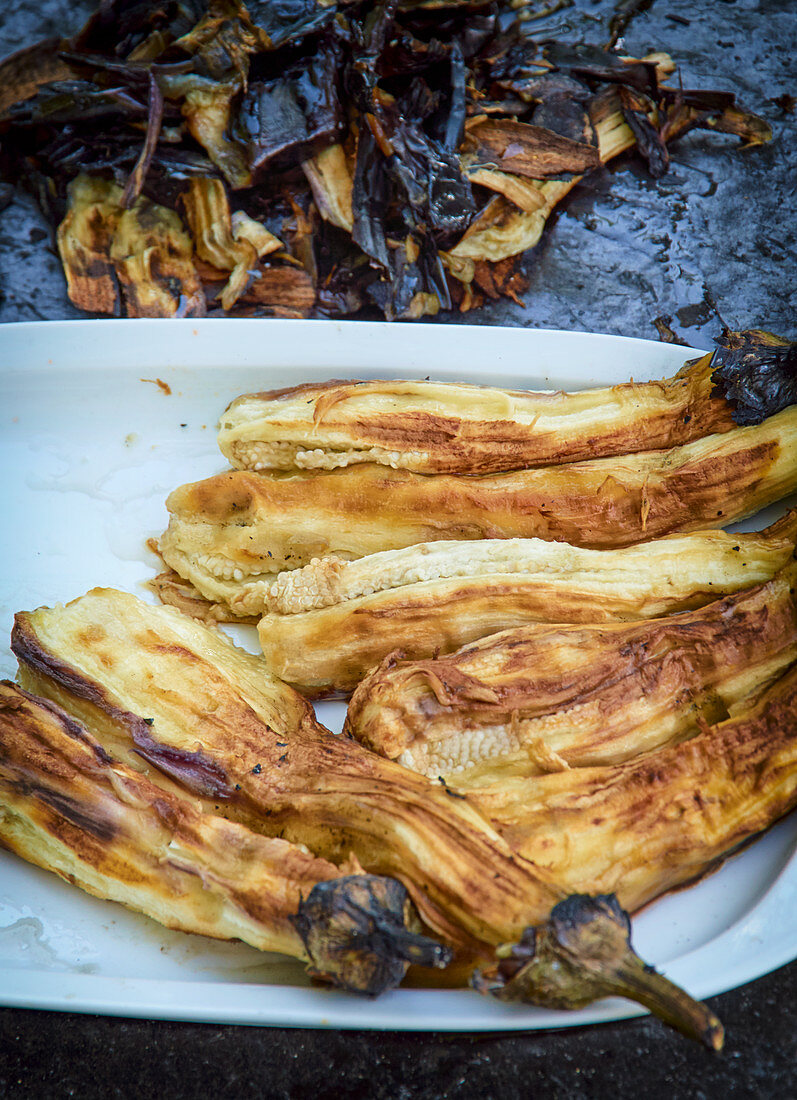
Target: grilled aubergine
{"type": "Point", "coordinates": [329, 623]}
{"type": "Point", "coordinates": [241, 527]}
{"type": "Point", "coordinates": [178, 694]}
{"type": "Point", "coordinates": [155, 684]}
{"type": "Point", "coordinates": [433, 427]}
{"type": "Point", "coordinates": [645, 826]}
{"type": "Point", "coordinates": [129, 835]}
{"type": "Point", "coordinates": [438, 427]}
{"type": "Point", "coordinates": [547, 698]}
{"type": "Point", "coordinates": [168, 696]}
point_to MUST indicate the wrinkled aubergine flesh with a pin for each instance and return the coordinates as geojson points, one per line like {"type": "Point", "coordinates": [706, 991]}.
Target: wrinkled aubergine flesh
{"type": "Point", "coordinates": [130, 835]}
{"type": "Point", "coordinates": [583, 953]}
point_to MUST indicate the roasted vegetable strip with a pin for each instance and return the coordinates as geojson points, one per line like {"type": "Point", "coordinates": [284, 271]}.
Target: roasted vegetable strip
{"type": "Point", "coordinates": [241, 526]}
{"type": "Point", "coordinates": [212, 717]}
{"type": "Point", "coordinates": [652, 578]}
{"type": "Point", "coordinates": [68, 806]}
{"type": "Point", "coordinates": [434, 427]}
{"type": "Point", "coordinates": [331, 622]}
{"type": "Point", "coordinates": [546, 698]}
{"type": "Point", "coordinates": [644, 827]}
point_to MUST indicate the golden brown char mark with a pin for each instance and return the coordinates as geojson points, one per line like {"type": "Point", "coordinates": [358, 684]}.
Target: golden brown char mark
{"type": "Point", "coordinates": [68, 807]}
{"type": "Point", "coordinates": [216, 721]}
{"type": "Point", "coordinates": [543, 698]}
{"type": "Point", "coordinates": [641, 828]}
{"type": "Point", "coordinates": [431, 427]}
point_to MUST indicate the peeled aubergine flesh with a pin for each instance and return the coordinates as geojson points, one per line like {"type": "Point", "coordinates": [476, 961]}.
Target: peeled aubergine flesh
{"type": "Point", "coordinates": [172, 698]}
{"type": "Point", "coordinates": [438, 427]}
{"type": "Point", "coordinates": [163, 687]}
{"type": "Point", "coordinates": [328, 624]}
{"type": "Point", "coordinates": [238, 529]}
{"type": "Point", "coordinates": [547, 698]}
{"type": "Point", "coordinates": [119, 833]}
{"type": "Point", "coordinates": [661, 820]}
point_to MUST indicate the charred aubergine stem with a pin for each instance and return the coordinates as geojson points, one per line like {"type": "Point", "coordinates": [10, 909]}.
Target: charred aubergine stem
{"type": "Point", "coordinates": [756, 373]}
{"type": "Point", "coordinates": [434, 427]}
{"type": "Point", "coordinates": [582, 953]}
{"type": "Point", "coordinates": [355, 934]}
{"type": "Point", "coordinates": [212, 717]}
{"type": "Point", "coordinates": [69, 807]}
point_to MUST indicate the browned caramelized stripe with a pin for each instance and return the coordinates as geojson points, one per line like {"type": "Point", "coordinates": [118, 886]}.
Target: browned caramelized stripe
{"type": "Point", "coordinates": [546, 697]}
{"type": "Point", "coordinates": [644, 827]}
{"type": "Point", "coordinates": [195, 769]}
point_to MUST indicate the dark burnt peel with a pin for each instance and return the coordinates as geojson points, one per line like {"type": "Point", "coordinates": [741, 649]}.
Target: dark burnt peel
{"type": "Point", "coordinates": [193, 770]}
{"type": "Point", "coordinates": [756, 373]}
{"type": "Point", "coordinates": [251, 94]}
{"type": "Point", "coordinates": [68, 810]}
{"type": "Point", "coordinates": [636, 109]}
{"type": "Point", "coordinates": [583, 953]}
{"type": "Point", "coordinates": [71, 727]}
{"type": "Point", "coordinates": [624, 12]}
{"type": "Point", "coordinates": [355, 931]}
{"type": "Point", "coordinates": [33, 768]}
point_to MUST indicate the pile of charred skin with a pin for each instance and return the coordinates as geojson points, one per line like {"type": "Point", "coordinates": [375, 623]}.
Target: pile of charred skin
{"type": "Point", "coordinates": [320, 158]}
{"type": "Point", "coordinates": [621, 717]}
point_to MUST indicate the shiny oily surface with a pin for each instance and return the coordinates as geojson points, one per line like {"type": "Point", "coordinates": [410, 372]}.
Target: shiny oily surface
{"type": "Point", "coordinates": [93, 476]}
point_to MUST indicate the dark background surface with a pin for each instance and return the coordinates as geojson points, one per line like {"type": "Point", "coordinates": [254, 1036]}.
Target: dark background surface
{"type": "Point", "coordinates": [710, 244]}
